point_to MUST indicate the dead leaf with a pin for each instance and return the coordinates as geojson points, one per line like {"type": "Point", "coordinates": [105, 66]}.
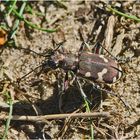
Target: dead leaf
{"type": "Point", "coordinates": [3, 37]}
{"type": "Point", "coordinates": [59, 37]}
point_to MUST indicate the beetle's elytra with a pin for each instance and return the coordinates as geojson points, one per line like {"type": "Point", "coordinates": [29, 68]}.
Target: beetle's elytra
{"type": "Point", "coordinates": [99, 68]}
{"type": "Point", "coordinates": [92, 66]}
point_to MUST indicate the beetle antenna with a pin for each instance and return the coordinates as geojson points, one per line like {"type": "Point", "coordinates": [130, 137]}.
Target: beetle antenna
{"type": "Point", "coordinates": [42, 54]}
{"type": "Point", "coordinates": [59, 45]}
{"type": "Point", "coordinates": [54, 50]}
{"type": "Point", "coordinates": [27, 49]}
{"type": "Point", "coordinates": [19, 79]}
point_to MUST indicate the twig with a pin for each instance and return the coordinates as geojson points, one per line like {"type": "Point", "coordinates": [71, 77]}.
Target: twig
{"type": "Point", "coordinates": [55, 116]}
{"type": "Point", "coordinates": [109, 33]}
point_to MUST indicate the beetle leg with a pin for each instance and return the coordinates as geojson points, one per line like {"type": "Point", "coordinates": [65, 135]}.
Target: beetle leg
{"type": "Point", "coordinates": [61, 93]}
{"type": "Point", "coordinates": [81, 91]}
{"type": "Point", "coordinates": [113, 94]}
{"type": "Point", "coordinates": [84, 48]}
{"type": "Point", "coordinates": [103, 48]}
{"type": "Point", "coordinates": [64, 87]}
{"type": "Point", "coordinates": [97, 48]}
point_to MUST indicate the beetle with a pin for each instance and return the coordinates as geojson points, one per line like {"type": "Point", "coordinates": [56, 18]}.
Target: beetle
{"type": "Point", "coordinates": [95, 67]}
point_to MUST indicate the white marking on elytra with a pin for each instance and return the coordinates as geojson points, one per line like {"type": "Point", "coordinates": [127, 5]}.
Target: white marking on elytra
{"type": "Point", "coordinates": [89, 52]}
{"type": "Point", "coordinates": [88, 74]}
{"type": "Point", "coordinates": [114, 79]}
{"type": "Point", "coordinates": [101, 56]}
{"type": "Point", "coordinates": [100, 75]}
{"type": "Point", "coordinates": [76, 60]}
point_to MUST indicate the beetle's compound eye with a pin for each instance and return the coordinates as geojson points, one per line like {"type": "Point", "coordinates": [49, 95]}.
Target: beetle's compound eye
{"type": "Point", "coordinates": [52, 64]}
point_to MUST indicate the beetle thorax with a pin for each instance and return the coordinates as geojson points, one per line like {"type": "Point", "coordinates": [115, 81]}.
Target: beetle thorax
{"type": "Point", "coordinates": [66, 61]}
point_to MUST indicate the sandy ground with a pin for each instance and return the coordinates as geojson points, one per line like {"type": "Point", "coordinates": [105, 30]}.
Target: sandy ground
{"type": "Point", "coordinates": [38, 93]}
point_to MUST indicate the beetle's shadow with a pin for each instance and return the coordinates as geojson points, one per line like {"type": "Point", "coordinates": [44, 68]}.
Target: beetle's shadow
{"type": "Point", "coordinates": [71, 100]}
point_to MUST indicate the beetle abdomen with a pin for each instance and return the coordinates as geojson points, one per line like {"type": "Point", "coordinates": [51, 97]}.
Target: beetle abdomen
{"type": "Point", "coordinates": [99, 68]}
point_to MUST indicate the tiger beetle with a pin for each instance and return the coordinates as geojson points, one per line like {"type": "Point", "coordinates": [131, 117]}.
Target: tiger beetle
{"type": "Point", "coordinates": [94, 67]}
